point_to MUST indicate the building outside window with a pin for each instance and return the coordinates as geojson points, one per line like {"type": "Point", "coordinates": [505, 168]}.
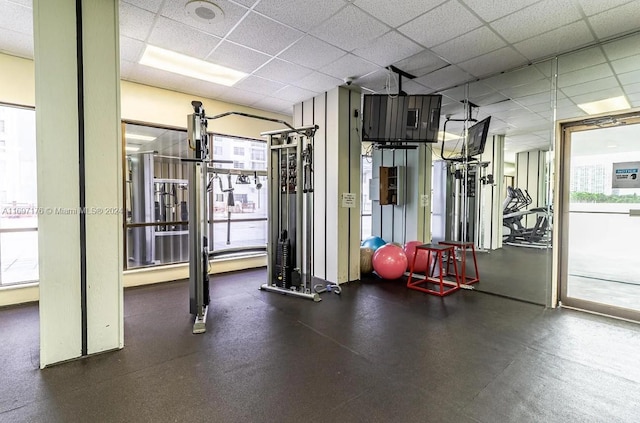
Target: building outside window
{"type": "Point", "coordinates": [238, 151]}
{"type": "Point", "coordinates": [18, 196]}
{"type": "Point", "coordinates": [365, 210]}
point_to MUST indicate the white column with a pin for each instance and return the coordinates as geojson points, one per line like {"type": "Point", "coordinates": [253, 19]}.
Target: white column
{"type": "Point", "coordinates": [337, 155]}
{"type": "Point", "coordinates": [81, 251]}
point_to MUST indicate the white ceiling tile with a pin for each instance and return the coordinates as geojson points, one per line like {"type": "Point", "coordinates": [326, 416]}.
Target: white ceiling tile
{"type": "Point", "coordinates": [412, 87]}
{"type": "Point", "coordinates": [16, 44]}
{"type": "Point", "coordinates": [135, 22]}
{"type": "Point", "coordinates": [472, 90]}
{"type": "Point", "coordinates": [444, 78]}
{"type": "Point", "coordinates": [489, 99]}
{"type": "Point", "coordinates": [279, 70]}
{"type": "Point", "coordinates": [540, 107]}
{"type": "Point", "coordinates": [126, 68]}
{"type": "Point", "coordinates": [318, 82]}
{"type": "Point", "coordinates": [203, 88]}
{"type": "Point", "coordinates": [580, 59]}
{"type": "Point", "coordinates": [421, 64]}
{"type": "Point", "coordinates": [632, 88]}
{"type": "Point", "coordinates": [294, 94]}
{"type": "Point", "coordinates": [616, 21]}
{"type": "Point", "coordinates": [531, 100]}
{"type": "Point", "coordinates": [580, 76]}
{"type": "Point", "coordinates": [150, 5]}
{"type": "Point", "coordinates": [271, 104]}
{"type": "Point", "coordinates": [569, 112]}
{"type": "Point", "coordinates": [16, 18]}
{"type": "Point", "coordinates": [157, 78]}
{"type": "Point", "coordinates": [472, 44]}
{"type": "Point", "coordinates": [536, 19]}
{"type": "Point", "coordinates": [501, 108]}
{"type": "Point", "coordinates": [247, 3]}
{"type": "Point", "coordinates": [349, 66]}
{"type": "Point", "coordinates": [514, 78]}
{"type": "Point", "coordinates": [389, 12]}
{"type": "Point", "coordinates": [536, 87]}
{"type": "Point", "coordinates": [492, 10]}
{"type": "Point", "coordinates": [388, 49]}
{"type": "Point", "coordinates": [494, 62]}
{"type": "Point", "coordinates": [597, 95]}
{"type": "Point", "coordinates": [259, 85]}
{"type": "Point", "coordinates": [557, 41]}
{"type": "Point", "coordinates": [629, 77]}
{"type": "Point", "coordinates": [26, 3]}
{"type": "Point", "coordinates": [349, 29]}
{"type": "Point", "coordinates": [311, 52]}
{"type": "Point", "coordinates": [237, 57]}
{"type": "Point", "coordinates": [441, 24]}
{"type": "Point", "coordinates": [546, 67]}
{"type": "Point", "coordinates": [179, 37]}
{"type": "Point", "coordinates": [591, 86]}
{"type": "Point", "coordinates": [301, 16]}
{"type": "Point", "coordinates": [238, 96]}
{"type": "Point", "coordinates": [263, 34]}
{"type": "Point", "coordinates": [634, 99]}
{"type": "Point", "coordinates": [624, 47]}
{"type": "Point", "coordinates": [130, 49]}
{"type": "Point", "coordinates": [379, 81]}
{"type": "Point", "coordinates": [233, 13]}
{"type": "Point", "coordinates": [628, 64]}
{"type": "Point", "coordinates": [592, 7]}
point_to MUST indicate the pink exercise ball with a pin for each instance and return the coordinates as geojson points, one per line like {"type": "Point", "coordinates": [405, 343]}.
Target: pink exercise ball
{"type": "Point", "coordinates": [422, 261]}
{"type": "Point", "coordinates": [389, 261]}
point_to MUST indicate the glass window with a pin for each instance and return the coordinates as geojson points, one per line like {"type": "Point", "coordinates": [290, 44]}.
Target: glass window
{"type": "Point", "coordinates": [367, 174]}
{"type": "Point", "coordinates": [157, 198]}
{"type": "Point", "coordinates": [18, 196]}
{"type": "Point", "coordinates": [258, 155]}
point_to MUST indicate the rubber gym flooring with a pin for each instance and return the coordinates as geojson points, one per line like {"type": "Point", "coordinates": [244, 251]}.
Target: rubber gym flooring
{"type": "Point", "coordinates": [376, 353]}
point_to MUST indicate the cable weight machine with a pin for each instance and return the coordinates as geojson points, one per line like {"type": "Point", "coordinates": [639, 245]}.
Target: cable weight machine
{"type": "Point", "coordinates": [290, 233]}
{"type": "Point", "coordinates": [290, 153]}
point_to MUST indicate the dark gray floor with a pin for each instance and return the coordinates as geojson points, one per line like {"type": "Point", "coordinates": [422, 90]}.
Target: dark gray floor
{"type": "Point", "coordinates": [377, 353]}
{"type": "Point", "coordinates": [516, 272]}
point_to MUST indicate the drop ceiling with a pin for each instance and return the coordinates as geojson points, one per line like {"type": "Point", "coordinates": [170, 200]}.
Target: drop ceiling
{"type": "Point", "coordinates": [293, 50]}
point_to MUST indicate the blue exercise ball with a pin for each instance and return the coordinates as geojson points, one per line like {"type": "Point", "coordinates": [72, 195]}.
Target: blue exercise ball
{"type": "Point", "coordinates": [373, 242]}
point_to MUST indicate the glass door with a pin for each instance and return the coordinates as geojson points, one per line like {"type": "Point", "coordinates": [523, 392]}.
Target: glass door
{"type": "Point", "coordinates": [600, 227]}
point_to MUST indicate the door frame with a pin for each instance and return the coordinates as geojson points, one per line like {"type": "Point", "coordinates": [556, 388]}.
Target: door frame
{"type": "Point", "coordinates": [561, 213]}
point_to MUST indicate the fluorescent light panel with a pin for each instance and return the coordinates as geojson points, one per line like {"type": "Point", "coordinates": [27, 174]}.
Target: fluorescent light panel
{"type": "Point", "coordinates": [606, 105]}
{"type": "Point", "coordinates": [131, 148]}
{"type": "Point", "coordinates": [139, 137]}
{"type": "Point", "coordinates": [180, 64]}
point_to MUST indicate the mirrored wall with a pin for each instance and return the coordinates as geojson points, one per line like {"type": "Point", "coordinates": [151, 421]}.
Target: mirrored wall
{"type": "Point", "coordinates": [511, 203]}
{"type": "Point", "coordinates": [156, 196]}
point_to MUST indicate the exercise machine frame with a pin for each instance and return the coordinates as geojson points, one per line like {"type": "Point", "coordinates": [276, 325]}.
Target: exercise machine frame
{"type": "Point", "coordinates": [199, 158]}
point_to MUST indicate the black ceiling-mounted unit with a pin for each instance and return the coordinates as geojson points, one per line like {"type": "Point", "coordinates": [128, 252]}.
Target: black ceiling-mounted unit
{"type": "Point", "coordinates": [401, 118]}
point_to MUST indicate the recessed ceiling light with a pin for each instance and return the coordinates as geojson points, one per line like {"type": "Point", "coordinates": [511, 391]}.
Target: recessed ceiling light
{"type": "Point", "coordinates": [204, 11]}
{"type": "Point", "coordinates": [181, 64]}
{"type": "Point", "coordinates": [612, 146]}
{"type": "Point", "coordinates": [132, 148]}
{"type": "Point", "coordinates": [607, 105]}
{"type": "Point", "coordinates": [139, 137]}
